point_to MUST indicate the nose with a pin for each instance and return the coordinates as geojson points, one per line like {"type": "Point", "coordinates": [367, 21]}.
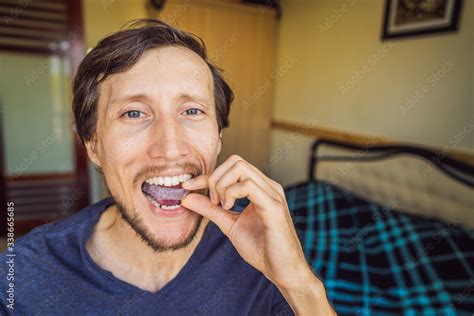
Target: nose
{"type": "Point", "coordinates": [167, 140]}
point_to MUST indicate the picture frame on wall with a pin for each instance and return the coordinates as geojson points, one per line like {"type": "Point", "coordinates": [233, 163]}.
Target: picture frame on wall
{"type": "Point", "coordinates": [408, 18]}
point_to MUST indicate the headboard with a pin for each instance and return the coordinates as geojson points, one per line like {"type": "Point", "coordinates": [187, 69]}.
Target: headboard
{"type": "Point", "coordinates": [409, 178]}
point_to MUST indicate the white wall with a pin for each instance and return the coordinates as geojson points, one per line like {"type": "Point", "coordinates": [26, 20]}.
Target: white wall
{"type": "Point", "coordinates": [413, 89]}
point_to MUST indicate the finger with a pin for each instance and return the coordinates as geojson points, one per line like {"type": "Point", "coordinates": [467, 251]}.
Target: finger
{"type": "Point", "coordinates": [248, 188]}
{"type": "Point", "coordinates": [202, 205]}
{"type": "Point", "coordinates": [230, 196]}
{"type": "Point", "coordinates": [218, 173]}
{"type": "Point", "coordinates": [235, 158]}
{"type": "Point", "coordinates": [238, 172]}
{"type": "Point", "coordinates": [196, 183]}
{"type": "Point", "coordinates": [275, 185]}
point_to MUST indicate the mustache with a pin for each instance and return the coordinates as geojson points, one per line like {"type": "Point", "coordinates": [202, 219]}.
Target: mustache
{"type": "Point", "coordinates": [184, 167]}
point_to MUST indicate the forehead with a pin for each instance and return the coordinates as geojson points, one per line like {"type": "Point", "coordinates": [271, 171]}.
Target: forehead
{"type": "Point", "coordinates": [161, 72]}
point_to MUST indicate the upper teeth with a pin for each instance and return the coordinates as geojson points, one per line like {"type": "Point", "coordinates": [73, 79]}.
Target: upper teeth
{"type": "Point", "coordinates": [169, 181]}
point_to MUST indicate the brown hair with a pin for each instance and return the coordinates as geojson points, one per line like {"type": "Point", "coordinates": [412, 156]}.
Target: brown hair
{"type": "Point", "coordinates": [119, 52]}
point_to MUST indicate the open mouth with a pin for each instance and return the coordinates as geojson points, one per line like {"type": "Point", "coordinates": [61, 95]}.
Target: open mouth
{"type": "Point", "coordinates": [166, 192]}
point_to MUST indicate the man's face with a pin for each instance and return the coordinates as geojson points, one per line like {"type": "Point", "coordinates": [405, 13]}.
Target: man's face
{"type": "Point", "coordinates": [157, 119]}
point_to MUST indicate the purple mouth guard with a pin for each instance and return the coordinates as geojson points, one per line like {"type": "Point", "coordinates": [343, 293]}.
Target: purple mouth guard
{"type": "Point", "coordinates": [164, 193]}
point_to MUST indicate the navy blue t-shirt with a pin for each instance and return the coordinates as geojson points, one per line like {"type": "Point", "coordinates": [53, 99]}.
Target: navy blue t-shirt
{"type": "Point", "coordinates": [55, 275]}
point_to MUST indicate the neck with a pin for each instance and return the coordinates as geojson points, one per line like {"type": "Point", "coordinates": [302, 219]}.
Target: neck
{"type": "Point", "coordinates": [116, 247]}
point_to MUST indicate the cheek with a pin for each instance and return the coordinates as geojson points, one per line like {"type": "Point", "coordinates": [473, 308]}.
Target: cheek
{"type": "Point", "coordinates": [203, 135]}
{"type": "Point", "coordinates": [120, 149]}
{"type": "Point", "coordinates": [208, 145]}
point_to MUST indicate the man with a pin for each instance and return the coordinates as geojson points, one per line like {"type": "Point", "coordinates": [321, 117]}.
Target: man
{"type": "Point", "coordinates": [150, 109]}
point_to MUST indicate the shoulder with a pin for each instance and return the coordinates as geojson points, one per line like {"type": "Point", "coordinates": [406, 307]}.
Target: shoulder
{"type": "Point", "coordinates": [48, 255]}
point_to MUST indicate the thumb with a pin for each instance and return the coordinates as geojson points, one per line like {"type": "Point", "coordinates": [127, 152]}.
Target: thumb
{"type": "Point", "coordinates": [201, 204]}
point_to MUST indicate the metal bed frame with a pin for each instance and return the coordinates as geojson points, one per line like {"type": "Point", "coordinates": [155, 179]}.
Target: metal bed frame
{"type": "Point", "coordinates": [456, 169]}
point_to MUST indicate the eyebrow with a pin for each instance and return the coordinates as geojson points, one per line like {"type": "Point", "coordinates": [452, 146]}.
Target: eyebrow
{"type": "Point", "coordinates": [140, 96]}
{"type": "Point", "coordinates": [123, 99]}
{"type": "Point", "coordinates": [202, 100]}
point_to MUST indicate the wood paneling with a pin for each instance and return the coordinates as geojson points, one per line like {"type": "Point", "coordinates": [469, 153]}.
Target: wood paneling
{"type": "Point", "coordinates": [241, 40]}
{"type": "Point", "coordinates": [42, 198]}
{"type": "Point", "coordinates": [35, 27]}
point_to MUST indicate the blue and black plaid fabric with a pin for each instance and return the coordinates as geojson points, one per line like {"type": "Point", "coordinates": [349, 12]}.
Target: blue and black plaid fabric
{"type": "Point", "coordinates": [378, 261]}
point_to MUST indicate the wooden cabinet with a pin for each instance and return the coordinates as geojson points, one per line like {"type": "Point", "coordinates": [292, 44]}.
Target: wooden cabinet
{"type": "Point", "coordinates": [241, 40]}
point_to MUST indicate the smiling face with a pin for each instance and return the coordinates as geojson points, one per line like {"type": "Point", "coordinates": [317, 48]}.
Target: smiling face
{"type": "Point", "coordinates": [157, 126]}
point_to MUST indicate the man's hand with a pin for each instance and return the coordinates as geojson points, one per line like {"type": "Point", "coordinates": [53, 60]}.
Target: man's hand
{"type": "Point", "coordinates": [263, 233]}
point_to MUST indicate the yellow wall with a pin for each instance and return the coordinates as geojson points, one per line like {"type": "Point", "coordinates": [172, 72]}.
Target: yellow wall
{"type": "Point", "coordinates": [344, 77]}
{"type": "Point", "coordinates": [102, 17]}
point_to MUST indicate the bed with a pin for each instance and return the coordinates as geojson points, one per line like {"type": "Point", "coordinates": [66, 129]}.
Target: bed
{"type": "Point", "coordinates": [388, 228]}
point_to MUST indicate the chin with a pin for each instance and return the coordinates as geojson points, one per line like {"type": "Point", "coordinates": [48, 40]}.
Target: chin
{"type": "Point", "coordinates": [176, 235]}
{"type": "Point", "coordinates": [178, 225]}
{"type": "Point", "coordinates": [162, 232]}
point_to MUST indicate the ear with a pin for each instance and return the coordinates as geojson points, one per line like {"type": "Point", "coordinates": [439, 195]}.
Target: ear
{"type": "Point", "coordinates": [91, 146]}
{"type": "Point", "coordinates": [220, 143]}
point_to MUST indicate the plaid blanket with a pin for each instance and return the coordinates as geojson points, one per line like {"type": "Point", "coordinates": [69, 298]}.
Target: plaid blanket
{"type": "Point", "coordinates": [378, 261]}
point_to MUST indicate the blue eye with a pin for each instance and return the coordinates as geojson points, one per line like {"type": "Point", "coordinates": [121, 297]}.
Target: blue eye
{"type": "Point", "coordinates": [133, 114]}
{"type": "Point", "coordinates": [193, 111]}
